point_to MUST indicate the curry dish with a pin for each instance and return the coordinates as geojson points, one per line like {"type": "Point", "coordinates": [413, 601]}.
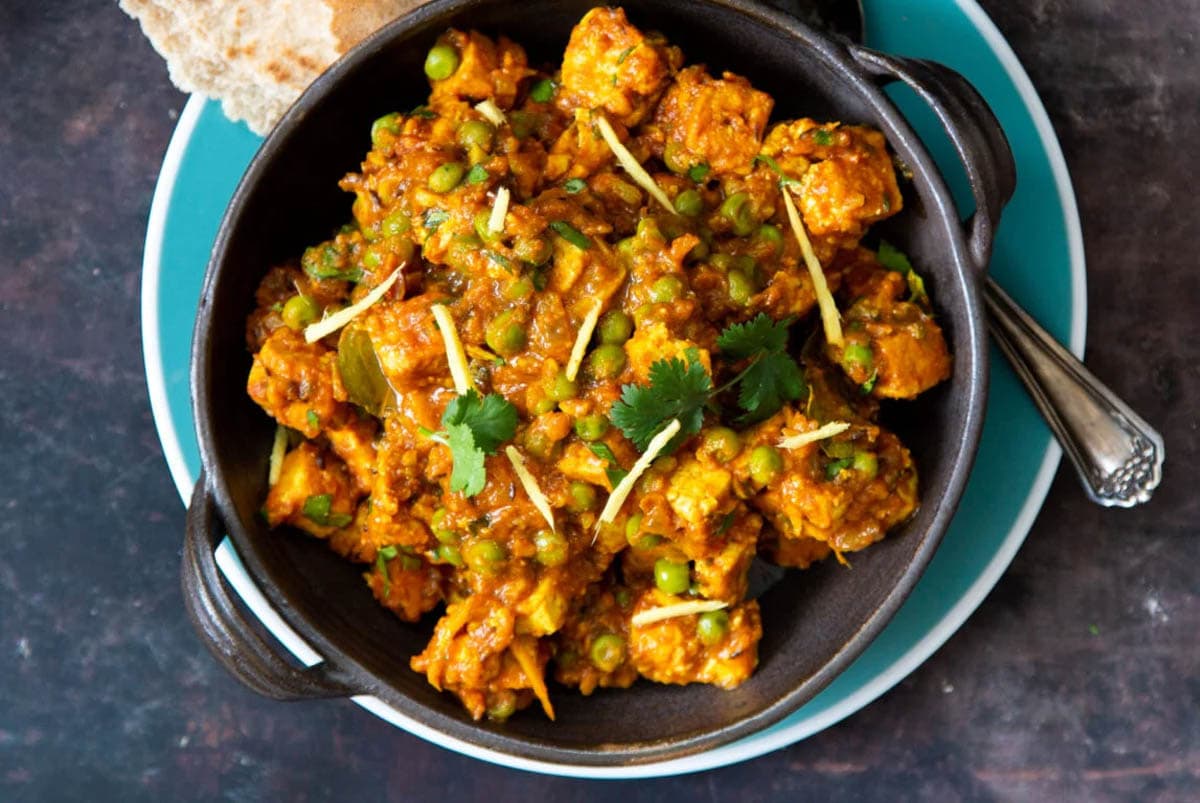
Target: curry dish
{"type": "Point", "coordinates": [594, 339]}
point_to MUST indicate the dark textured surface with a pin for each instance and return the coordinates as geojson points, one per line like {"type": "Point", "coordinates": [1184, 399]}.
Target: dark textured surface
{"type": "Point", "coordinates": [1078, 678]}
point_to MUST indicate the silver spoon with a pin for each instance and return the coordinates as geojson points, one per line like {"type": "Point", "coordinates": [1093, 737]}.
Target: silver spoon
{"type": "Point", "coordinates": [1117, 455]}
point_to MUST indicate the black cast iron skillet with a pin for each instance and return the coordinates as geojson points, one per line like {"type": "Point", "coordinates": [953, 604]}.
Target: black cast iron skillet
{"type": "Point", "coordinates": [815, 623]}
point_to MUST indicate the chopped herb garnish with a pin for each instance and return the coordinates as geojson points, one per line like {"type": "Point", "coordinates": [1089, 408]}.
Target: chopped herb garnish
{"type": "Point", "coordinates": [540, 278]}
{"type": "Point", "coordinates": [837, 466]}
{"type": "Point", "coordinates": [677, 390]}
{"type": "Point", "coordinates": [784, 179]}
{"type": "Point", "coordinates": [726, 522]}
{"type": "Point", "coordinates": [571, 234]}
{"type": "Point", "coordinates": [869, 385]}
{"type": "Point", "coordinates": [423, 112]}
{"type": "Point", "coordinates": [772, 378]}
{"type": "Point", "coordinates": [318, 510]}
{"type": "Point", "coordinates": [477, 174]}
{"type": "Point", "coordinates": [614, 472]}
{"type": "Point", "coordinates": [500, 260]}
{"type": "Point", "coordinates": [314, 420]}
{"type": "Point", "coordinates": [698, 173]}
{"type": "Point", "coordinates": [575, 185]}
{"type": "Point", "coordinates": [474, 427]}
{"type": "Point", "coordinates": [894, 259]}
{"type": "Point", "coordinates": [434, 218]}
{"type": "Point", "coordinates": [822, 137]}
{"type": "Point", "coordinates": [625, 54]}
{"type": "Point", "coordinates": [277, 307]}
{"type": "Point", "coordinates": [542, 91]}
{"type": "Point", "coordinates": [327, 261]}
{"type": "Point", "coordinates": [382, 556]}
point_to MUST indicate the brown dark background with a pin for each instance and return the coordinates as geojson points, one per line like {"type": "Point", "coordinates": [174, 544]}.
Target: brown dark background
{"type": "Point", "coordinates": [1077, 679]}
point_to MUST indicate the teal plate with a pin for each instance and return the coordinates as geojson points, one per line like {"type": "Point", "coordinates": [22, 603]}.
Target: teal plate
{"type": "Point", "coordinates": [1038, 258]}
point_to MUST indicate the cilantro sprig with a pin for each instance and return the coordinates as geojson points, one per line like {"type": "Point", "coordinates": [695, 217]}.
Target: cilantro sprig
{"type": "Point", "coordinates": [677, 389]}
{"type": "Point", "coordinates": [772, 378]}
{"type": "Point", "coordinates": [681, 389]}
{"type": "Point", "coordinates": [474, 427]}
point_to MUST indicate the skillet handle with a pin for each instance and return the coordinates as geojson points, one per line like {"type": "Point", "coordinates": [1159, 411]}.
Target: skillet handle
{"type": "Point", "coordinates": [233, 639]}
{"type": "Point", "coordinates": [973, 129]}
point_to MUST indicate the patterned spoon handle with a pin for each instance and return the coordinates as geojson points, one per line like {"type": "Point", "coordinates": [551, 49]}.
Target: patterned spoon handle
{"type": "Point", "coordinates": [1118, 456]}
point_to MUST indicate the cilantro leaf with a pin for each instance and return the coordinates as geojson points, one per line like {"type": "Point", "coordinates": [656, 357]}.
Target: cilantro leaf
{"type": "Point", "coordinates": [543, 91]}
{"type": "Point", "coordinates": [469, 474]}
{"type": "Point", "coordinates": [677, 389]}
{"type": "Point", "coordinates": [784, 179]}
{"type": "Point", "coordinates": [771, 381]}
{"type": "Point", "coordinates": [318, 510]}
{"type": "Point", "coordinates": [614, 472]}
{"type": "Point", "coordinates": [761, 333]}
{"type": "Point", "coordinates": [894, 259]}
{"type": "Point", "coordinates": [490, 419]}
{"type": "Point", "coordinates": [575, 185]}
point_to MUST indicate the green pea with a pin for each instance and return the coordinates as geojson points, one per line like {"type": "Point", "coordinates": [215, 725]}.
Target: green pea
{"type": "Point", "coordinates": [765, 464]}
{"type": "Point", "coordinates": [552, 548]}
{"type": "Point", "coordinates": [504, 335]}
{"type": "Point", "coordinates": [481, 221]}
{"type": "Point", "coordinates": [675, 158]}
{"type": "Point", "coordinates": [699, 251]}
{"type": "Point", "coordinates": [539, 444]}
{"type": "Point", "coordinates": [738, 211]}
{"type": "Point", "coordinates": [475, 134]}
{"type": "Point", "coordinates": [446, 177]}
{"type": "Point", "coordinates": [543, 406]}
{"type": "Point", "coordinates": [441, 62]}
{"type": "Point", "coordinates": [534, 250]}
{"type": "Point", "coordinates": [615, 327]}
{"type": "Point", "coordinates": [395, 224]}
{"type": "Point", "coordinates": [502, 707]}
{"type": "Point", "coordinates": [519, 289]}
{"type": "Point", "coordinates": [445, 536]}
{"type": "Point", "coordinates": [299, 312]}
{"type": "Point", "coordinates": [583, 497]}
{"type": "Point", "coordinates": [608, 652]}
{"type": "Point", "coordinates": [712, 627]}
{"type": "Point", "coordinates": [448, 553]}
{"type": "Point", "coordinates": [867, 464]}
{"type": "Point", "coordinates": [606, 362]}
{"type": "Point", "coordinates": [857, 354]}
{"type": "Point", "coordinates": [626, 248]}
{"type": "Point", "coordinates": [591, 427]}
{"type": "Point", "coordinates": [461, 253]}
{"type": "Point", "coordinates": [771, 235]}
{"type": "Point", "coordinates": [372, 258]}
{"type": "Point", "coordinates": [666, 289]}
{"type": "Point", "coordinates": [389, 123]}
{"type": "Point", "coordinates": [438, 517]}
{"type": "Point", "coordinates": [671, 577]}
{"type": "Point", "coordinates": [561, 388]}
{"type": "Point", "coordinates": [741, 287]}
{"type": "Point", "coordinates": [484, 556]}
{"type": "Point", "coordinates": [689, 203]}
{"type": "Point", "coordinates": [722, 443]}
{"type": "Point", "coordinates": [633, 525]}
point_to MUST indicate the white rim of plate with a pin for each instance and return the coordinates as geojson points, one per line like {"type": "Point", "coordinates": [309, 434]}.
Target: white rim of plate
{"type": "Point", "coordinates": [751, 746]}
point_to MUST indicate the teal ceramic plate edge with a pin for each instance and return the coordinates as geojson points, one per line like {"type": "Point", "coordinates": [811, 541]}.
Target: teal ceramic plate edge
{"type": "Point", "coordinates": [1017, 457]}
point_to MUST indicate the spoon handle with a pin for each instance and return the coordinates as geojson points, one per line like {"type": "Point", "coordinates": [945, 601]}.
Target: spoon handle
{"type": "Point", "coordinates": [1118, 456]}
